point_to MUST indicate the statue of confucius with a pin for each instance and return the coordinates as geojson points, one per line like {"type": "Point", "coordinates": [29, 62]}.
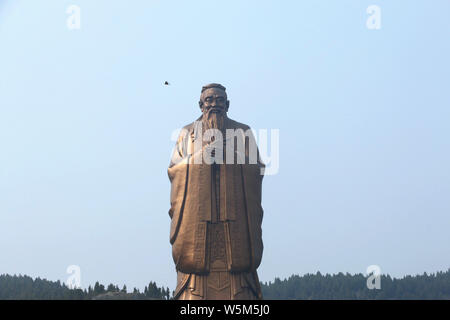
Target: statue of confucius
{"type": "Point", "coordinates": [216, 177]}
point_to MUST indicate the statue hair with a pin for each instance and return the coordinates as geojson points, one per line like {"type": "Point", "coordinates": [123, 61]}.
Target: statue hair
{"type": "Point", "coordinates": [214, 85]}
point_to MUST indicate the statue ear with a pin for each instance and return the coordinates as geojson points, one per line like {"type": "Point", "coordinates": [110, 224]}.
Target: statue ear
{"type": "Point", "coordinates": [200, 104]}
{"type": "Point", "coordinates": [227, 105]}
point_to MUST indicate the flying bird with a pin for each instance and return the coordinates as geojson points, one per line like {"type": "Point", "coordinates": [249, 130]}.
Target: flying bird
{"type": "Point", "coordinates": [166, 83]}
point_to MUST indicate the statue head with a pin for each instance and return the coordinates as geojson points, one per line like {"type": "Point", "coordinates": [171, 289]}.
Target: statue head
{"type": "Point", "coordinates": [214, 97]}
{"type": "Point", "coordinates": [214, 105]}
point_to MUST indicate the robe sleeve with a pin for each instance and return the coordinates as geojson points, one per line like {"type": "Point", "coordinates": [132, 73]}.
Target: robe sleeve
{"type": "Point", "coordinates": [177, 171]}
{"type": "Point", "coordinates": [253, 173]}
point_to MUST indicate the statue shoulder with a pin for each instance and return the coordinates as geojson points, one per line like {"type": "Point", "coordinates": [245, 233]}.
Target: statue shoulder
{"type": "Point", "coordinates": [237, 125]}
{"type": "Point", "coordinates": [189, 126]}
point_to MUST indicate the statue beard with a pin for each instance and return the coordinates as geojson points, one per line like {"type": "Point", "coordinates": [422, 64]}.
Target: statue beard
{"type": "Point", "coordinates": [213, 120]}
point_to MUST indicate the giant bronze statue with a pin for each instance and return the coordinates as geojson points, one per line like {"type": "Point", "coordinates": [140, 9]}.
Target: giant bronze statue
{"type": "Point", "coordinates": [216, 178]}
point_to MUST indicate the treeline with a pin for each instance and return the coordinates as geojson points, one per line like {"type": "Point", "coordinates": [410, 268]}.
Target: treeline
{"type": "Point", "coordinates": [306, 287]}
{"type": "Point", "coordinates": [26, 288]}
{"type": "Point", "coordinates": [347, 286]}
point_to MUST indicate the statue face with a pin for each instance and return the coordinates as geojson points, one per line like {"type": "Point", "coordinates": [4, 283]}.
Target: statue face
{"type": "Point", "coordinates": [214, 100]}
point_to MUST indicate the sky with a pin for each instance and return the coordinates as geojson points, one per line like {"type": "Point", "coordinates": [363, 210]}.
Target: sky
{"type": "Point", "coordinates": [86, 125]}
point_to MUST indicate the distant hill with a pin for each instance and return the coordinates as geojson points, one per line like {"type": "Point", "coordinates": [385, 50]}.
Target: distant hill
{"type": "Point", "coordinates": [26, 288]}
{"type": "Point", "coordinates": [354, 287]}
{"type": "Point", "coordinates": [306, 287]}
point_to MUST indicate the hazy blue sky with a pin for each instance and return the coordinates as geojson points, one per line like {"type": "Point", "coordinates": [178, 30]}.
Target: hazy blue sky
{"type": "Point", "coordinates": [85, 127]}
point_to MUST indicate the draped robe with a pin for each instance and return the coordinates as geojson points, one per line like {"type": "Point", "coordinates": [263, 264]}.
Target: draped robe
{"type": "Point", "coordinates": [225, 196]}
